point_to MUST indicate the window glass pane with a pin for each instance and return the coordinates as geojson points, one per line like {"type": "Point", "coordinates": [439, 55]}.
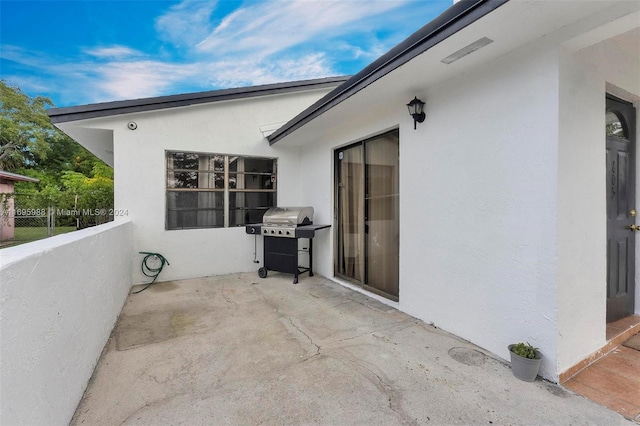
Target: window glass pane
{"type": "Point", "coordinates": [182, 180]}
{"type": "Point", "coordinates": [205, 174]}
{"type": "Point", "coordinates": [233, 163]}
{"type": "Point", "coordinates": [233, 181]}
{"type": "Point", "coordinates": [195, 180]}
{"type": "Point", "coordinates": [249, 207]}
{"type": "Point", "coordinates": [217, 163]}
{"type": "Point", "coordinates": [614, 125]}
{"type": "Point", "coordinates": [382, 222]}
{"type": "Point", "coordinates": [183, 160]}
{"type": "Point", "coordinates": [195, 209]}
{"type": "Point", "coordinates": [260, 173]}
{"type": "Point", "coordinates": [382, 167]}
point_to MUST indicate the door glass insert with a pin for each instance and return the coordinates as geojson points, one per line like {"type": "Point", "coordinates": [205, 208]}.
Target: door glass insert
{"type": "Point", "coordinates": [367, 217]}
{"type": "Point", "coordinates": [350, 191]}
{"type": "Point", "coordinates": [615, 126]}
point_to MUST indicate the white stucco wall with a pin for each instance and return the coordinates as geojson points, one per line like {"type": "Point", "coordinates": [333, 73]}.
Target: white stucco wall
{"type": "Point", "coordinates": [60, 298]}
{"type": "Point", "coordinates": [503, 225]}
{"type": "Point", "coordinates": [229, 127]}
{"type": "Point", "coordinates": [486, 264]}
{"type": "Point", "coordinates": [585, 78]}
{"type": "Point", "coordinates": [478, 200]}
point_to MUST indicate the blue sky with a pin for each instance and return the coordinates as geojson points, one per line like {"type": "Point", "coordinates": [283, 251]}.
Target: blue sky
{"type": "Point", "coordinates": [79, 52]}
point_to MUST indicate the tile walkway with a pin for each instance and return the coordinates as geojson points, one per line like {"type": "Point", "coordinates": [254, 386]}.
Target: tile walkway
{"type": "Point", "coordinates": [614, 380]}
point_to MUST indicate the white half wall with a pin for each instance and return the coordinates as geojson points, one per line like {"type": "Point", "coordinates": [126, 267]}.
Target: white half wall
{"type": "Point", "coordinates": [60, 299]}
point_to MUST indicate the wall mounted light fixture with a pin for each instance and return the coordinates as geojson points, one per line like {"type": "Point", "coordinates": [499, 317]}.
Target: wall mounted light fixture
{"type": "Point", "coordinates": [416, 110]}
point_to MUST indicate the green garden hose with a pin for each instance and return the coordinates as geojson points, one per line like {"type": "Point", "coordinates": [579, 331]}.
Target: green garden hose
{"type": "Point", "coordinates": [148, 270]}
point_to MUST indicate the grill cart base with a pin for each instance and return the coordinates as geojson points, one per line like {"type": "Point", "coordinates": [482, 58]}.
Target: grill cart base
{"type": "Point", "coordinates": [282, 254]}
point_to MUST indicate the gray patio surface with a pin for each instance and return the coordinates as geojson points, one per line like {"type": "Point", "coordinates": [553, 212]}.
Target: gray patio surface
{"type": "Point", "coordinates": [241, 350]}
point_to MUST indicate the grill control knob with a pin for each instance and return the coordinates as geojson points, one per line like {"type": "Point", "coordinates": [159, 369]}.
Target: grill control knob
{"type": "Point", "coordinates": [288, 232]}
{"type": "Point", "coordinates": [280, 232]}
{"type": "Point", "coordinates": [273, 232]}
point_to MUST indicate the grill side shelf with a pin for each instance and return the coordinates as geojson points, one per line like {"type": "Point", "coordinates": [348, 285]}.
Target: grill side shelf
{"type": "Point", "coordinates": [309, 231]}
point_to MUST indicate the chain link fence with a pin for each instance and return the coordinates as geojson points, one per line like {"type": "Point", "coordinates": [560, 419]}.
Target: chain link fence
{"type": "Point", "coordinates": [27, 217]}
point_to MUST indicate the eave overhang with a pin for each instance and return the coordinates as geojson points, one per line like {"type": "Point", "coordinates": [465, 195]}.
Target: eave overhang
{"type": "Point", "coordinates": [454, 19]}
{"type": "Point", "coordinates": [106, 109]}
{"type": "Point", "coordinates": [16, 177]}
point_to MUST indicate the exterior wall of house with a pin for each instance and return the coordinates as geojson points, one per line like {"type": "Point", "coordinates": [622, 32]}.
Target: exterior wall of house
{"type": "Point", "coordinates": [585, 78]}
{"type": "Point", "coordinates": [61, 297]}
{"type": "Point", "coordinates": [478, 200]}
{"type": "Point", "coordinates": [582, 231]}
{"type": "Point", "coordinates": [502, 208]}
{"type": "Point", "coordinates": [230, 127]}
{"type": "Point", "coordinates": [490, 206]}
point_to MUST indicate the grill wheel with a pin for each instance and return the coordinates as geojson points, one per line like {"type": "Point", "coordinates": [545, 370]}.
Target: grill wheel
{"type": "Point", "coordinates": [262, 272]}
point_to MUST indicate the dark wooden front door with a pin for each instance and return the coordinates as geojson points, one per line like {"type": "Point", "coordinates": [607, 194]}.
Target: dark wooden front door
{"type": "Point", "coordinates": [621, 209]}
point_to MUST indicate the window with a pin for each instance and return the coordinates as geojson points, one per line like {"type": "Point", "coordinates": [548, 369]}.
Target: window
{"type": "Point", "coordinates": [216, 190]}
{"type": "Point", "coordinates": [614, 125]}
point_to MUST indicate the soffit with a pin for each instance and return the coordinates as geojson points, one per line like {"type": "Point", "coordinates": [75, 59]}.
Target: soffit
{"type": "Point", "coordinates": [513, 25]}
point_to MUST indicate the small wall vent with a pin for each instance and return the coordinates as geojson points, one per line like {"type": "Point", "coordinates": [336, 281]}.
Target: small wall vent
{"type": "Point", "coordinates": [476, 45]}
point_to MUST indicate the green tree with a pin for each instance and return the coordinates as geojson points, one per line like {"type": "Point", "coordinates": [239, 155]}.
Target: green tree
{"type": "Point", "coordinates": [89, 194]}
{"type": "Point", "coordinates": [70, 177]}
{"type": "Point", "coordinates": [24, 127]}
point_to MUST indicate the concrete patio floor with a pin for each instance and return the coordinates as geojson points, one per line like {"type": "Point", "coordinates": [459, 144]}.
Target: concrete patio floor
{"type": "Point", "coordinates": [241, 350]}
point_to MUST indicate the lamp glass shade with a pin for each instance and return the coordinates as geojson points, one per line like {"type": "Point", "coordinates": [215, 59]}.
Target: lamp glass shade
{"type": "Point", "coordinates": [416, 106]}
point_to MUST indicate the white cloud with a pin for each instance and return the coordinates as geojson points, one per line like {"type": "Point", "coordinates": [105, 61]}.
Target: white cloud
{"type": "Point", "coordinates": [255, 71]}
{"type": "Point", "coordinates": [117, 52]}
{"type": "Point", "coordinates": [372, 52]}
{"type": "Point", "coordinates": [257, 43]}
{"type": "Point", "coordinates": [186, 23]}
{"type": "Point", "coordinates": [265, 28]}
{"type": "Point", "coordinates": [115, 77]}
{"type": "Point", "coordinates": [131, 80]}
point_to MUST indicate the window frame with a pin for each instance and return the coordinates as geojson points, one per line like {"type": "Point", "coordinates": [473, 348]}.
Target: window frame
{"type": "Point", "coordinates": [227, 190]}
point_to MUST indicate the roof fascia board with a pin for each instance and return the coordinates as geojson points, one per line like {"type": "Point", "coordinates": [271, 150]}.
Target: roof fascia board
{"type": "Point", "coordinates": [16, 177]}
{"type": "Point", "coordinates": [452, 20]}
{"type": "Point", "coordinates": [83, 112]}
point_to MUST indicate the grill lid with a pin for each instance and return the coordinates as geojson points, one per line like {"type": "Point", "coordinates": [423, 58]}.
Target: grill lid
{"type": "Point", "coordinates": [288, 216]}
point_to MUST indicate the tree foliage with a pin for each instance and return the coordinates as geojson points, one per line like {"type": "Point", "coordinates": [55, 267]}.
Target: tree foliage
{"type": "Point", "coordinates": [70, 177]}
{"type": "Point", "coordinates": [24, 127]}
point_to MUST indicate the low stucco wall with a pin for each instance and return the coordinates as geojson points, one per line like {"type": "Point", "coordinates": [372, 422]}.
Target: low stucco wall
{"type": "Point", "coordinates": [60, 298]}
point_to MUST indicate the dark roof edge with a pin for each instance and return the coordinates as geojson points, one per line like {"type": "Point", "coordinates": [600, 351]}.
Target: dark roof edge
{"type": "Point", "coordinates": [16, 177]}
{"type": "Point", "coordinates": [452, 20]}
{"type": "Point", "coordinates": [60, 115]}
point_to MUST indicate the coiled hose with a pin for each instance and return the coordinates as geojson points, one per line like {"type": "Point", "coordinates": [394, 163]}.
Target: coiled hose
{"type": "Point", "coordinates": [148, 270]}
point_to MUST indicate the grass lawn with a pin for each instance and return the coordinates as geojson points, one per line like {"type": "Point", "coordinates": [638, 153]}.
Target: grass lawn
{"type": "Point", "coordinates": [27, 234]}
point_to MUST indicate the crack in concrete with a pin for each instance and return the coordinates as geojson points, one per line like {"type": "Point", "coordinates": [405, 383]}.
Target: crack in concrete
{"type": "Point", "coordinates": [393, 397]}
{"type": "Point", "coordinates": [151, 404]}
{"type": "Point", "coordinates": [405, 324]}
{"type": "Point", "coordinates": [318, 348]}
{"type": "Point", "coordinates": [227, 299]}
{"type": "Point", "coordinates": [393, 394]}
{"type": "Point", "coordinates": [261, 295]}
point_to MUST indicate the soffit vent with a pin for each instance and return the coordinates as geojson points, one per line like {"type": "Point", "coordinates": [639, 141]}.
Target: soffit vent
{"type": "Point", "coordinates": [476, 45]}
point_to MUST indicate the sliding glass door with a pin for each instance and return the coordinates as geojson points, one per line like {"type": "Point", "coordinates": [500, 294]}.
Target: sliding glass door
{"type": "Point", "coordinates": [367, 216]}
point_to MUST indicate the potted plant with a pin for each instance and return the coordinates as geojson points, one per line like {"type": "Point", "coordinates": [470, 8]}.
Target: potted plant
{"type": "Point", "coordinates": [525, 361]}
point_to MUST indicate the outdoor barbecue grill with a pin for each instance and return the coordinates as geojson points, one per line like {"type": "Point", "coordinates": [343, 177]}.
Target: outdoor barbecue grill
{"type": "Point", "coordinates": [282, 228]}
